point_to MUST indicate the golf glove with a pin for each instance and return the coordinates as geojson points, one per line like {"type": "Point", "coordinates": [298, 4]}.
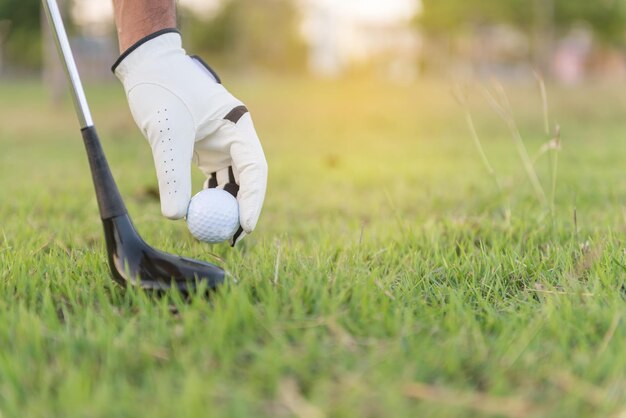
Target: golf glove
{"type": "Point", "coordinates": [185, 113]}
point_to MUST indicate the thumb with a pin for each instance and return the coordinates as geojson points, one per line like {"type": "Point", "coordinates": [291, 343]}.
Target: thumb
{"type": "Point", "coordinates": [249, 162]}
{"type": "Point", "coordinates": [167, 125]}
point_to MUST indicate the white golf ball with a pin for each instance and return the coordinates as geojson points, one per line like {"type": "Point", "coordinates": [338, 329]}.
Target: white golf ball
{"type": "Point", "coordinates": [213, 216]}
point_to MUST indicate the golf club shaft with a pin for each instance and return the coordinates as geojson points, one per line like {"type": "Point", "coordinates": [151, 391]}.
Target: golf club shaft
{"type": "Point", "coordinates": [60, 38]}
{"type": "Point", "coordinates": [109, 199]}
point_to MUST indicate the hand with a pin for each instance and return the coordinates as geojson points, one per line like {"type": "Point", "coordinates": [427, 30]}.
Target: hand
{"type": "Point", "coordinates": [186, 114]}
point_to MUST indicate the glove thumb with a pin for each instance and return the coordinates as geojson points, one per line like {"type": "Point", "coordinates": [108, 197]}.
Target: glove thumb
{"type": "Point", "coordinates": [249, 161]}
{"type": "Point", "coordinates": [167, 125]}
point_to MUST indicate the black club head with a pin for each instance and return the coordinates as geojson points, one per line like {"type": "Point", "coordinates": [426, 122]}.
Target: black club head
{"type": "Point", "coordinates": [135, 263]}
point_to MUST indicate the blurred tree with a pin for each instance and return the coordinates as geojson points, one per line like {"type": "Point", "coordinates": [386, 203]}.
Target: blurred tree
{"type": "Point", "coordinates": [452, 17]}
{"type": "Point", "coordinates": [248, 34]}
{"type": "Point", "coordinates": [541, 20]}
{"type": "Point", "coordinates": [22, 46]}
{"type": "Point", "coordinates": [607, 19]}
{"type": "Point", "coordinates": [53, 75]}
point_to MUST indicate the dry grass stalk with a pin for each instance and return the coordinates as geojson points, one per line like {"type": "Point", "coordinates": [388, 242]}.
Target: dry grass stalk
{"type": "Point", "coordinates": [512, 407]}
{"type": "Point", "coordinates": [290, 396]}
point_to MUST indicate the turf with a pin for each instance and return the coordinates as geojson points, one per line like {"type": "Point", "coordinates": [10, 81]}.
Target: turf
{"type": "Point", "coordinates": [389, 276]}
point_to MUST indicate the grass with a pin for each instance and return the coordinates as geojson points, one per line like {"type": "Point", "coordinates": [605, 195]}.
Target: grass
{"type": "Point", "coordinates": [388, 276]}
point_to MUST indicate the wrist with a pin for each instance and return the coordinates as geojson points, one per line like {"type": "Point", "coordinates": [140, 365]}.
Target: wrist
{"type": "Point", "coordinates": [136, 19]}
{"type": "Point", "coordinates": [128, 39]}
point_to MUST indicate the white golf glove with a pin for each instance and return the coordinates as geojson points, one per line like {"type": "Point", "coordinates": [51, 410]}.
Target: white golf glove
{"type": "Point", "coordinates": [186, 114]}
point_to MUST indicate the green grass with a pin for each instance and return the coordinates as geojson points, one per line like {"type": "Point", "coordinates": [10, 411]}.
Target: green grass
{"type": "Point", "coordinates": [388, 275]}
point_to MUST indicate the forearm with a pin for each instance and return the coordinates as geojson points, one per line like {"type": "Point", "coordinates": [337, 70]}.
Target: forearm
{"type": "Point", "coordinates": [136, 19]}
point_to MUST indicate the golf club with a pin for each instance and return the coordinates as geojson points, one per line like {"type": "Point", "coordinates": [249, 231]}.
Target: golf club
{"type": "Point", "coordinates": [132, 261]}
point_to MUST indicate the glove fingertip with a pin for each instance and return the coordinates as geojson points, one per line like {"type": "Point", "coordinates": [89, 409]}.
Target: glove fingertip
{"type": "Point", "coordinates": [175, 209]}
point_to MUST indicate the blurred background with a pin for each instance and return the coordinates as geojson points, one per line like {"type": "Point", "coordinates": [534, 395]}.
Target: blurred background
{"type": "Point", "coordinates": [401, 40]}
{"type": "Point", "coordinates": [356, 101]}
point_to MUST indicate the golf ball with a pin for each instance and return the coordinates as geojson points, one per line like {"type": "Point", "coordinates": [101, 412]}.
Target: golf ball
{"type": "Point", "coordinates": [213, 216]}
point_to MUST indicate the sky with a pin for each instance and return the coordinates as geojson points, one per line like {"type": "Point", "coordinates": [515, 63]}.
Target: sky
{"type": "Point", "coordinates": [381, 11]}
{"type": "Point", "coordinates": [98, 12]}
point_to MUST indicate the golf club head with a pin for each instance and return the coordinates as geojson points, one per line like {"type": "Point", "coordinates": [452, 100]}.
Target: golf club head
{"type": "Point", "coordinates": [135, 263]}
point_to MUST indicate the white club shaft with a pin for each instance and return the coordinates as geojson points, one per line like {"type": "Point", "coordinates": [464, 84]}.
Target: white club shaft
{"type": "Point", "coordinates": [60, 37]}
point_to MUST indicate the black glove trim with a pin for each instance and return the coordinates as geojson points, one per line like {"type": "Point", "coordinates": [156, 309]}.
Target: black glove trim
{"type": "Point", "coordinates": [235, 114]}
{"type": "Point", "coordinates": [231, 187]}
{"type": "Point", "coordinates": [236, 236]}
{"type": "Point", "coordinates": [208, 67]}
{"type": "Point", "coordinates": [141, 42]}
{"type": "Point", "coordinates": [212, 181]}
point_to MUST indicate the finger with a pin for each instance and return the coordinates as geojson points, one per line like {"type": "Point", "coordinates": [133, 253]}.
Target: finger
{"type": "Point", "coordinates": [249, 162]}
{"type": "Point", "coordinates": [169, 128]}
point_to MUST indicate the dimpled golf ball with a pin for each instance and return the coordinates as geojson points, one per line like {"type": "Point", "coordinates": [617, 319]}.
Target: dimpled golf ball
{"type": "Point", "coordinates": [213, 216]}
